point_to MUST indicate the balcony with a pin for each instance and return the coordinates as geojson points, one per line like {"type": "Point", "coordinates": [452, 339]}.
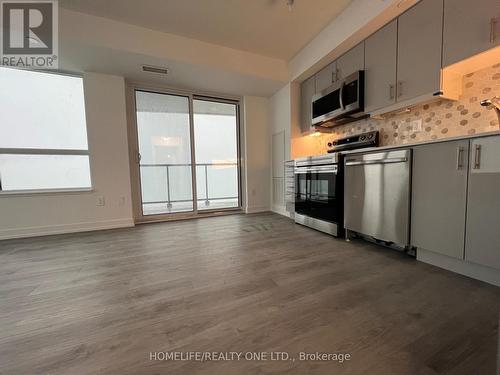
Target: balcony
{"type": "Point", "coordinates": [167, 188]}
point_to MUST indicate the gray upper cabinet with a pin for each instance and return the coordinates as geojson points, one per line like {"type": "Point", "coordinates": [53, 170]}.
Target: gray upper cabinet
{"type": "Point", "coordinates": [419, 50]}
{"type": "Point", "coordinates": [403, 60]}
{"type": "Point", "coordinates": [439, 195]}
{"type": "Point", "coordinates": [482, 243]}
{"type": "Point", "coordinates": [470, 27]}
{"type": "Point", "coordinates": [352, 61]}
{"type": "Point", "coordinates": [380, 67]}
{"type": "Point", "coordinates": [307, 90]}
{"type": "Point", "coordinates": [326, 77]}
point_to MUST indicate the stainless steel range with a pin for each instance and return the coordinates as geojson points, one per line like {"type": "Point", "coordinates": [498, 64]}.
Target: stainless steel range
{"type": "Point", "coordinates": [319, 185]}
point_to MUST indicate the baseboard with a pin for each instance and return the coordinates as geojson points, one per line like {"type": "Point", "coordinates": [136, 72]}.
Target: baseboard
{"type": "Point", "coordinates": [65, 228]}
{"type": "Point", "coordinates": [475, 271]}
{"type": "Point", "coordinates": [281, 211]}
{"type": "Point", "coordinates": [255, 209]}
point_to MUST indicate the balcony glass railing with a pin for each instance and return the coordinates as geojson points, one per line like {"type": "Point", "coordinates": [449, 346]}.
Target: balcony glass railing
{"type": "Point", "coordinates": [166, 188]}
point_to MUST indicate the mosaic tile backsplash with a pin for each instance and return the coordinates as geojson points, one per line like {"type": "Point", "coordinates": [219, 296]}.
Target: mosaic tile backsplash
{"type": "Point", "coordinates": [439, 119]}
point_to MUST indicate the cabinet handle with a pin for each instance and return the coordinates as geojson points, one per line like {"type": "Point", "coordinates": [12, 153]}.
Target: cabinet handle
{"type": "Point", "coordinates": [337, 74]}
{"type": "Point", "coordinates": [391, 91]}
{"type": "Point", "coordinates": [493, 30]}
{"type": "Point", "coordinates": [400, 88]}
{"type": "Point", "coordinates": [334, 77]}
{"type": "Point", "coordinates": [460, 158]}
{"type": "Point", "coordinates": [477, 157]}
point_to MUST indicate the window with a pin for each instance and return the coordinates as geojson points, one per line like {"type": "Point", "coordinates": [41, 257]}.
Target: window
{"type": "Point", "coordinates": [43, 134]}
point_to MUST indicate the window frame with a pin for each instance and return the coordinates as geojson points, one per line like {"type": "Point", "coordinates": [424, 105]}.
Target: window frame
{"type": "Point", "coordinates": [51, 151]}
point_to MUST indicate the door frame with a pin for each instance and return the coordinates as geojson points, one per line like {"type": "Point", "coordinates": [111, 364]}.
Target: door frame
{"type": "Point", "coordinates": [139, 217]}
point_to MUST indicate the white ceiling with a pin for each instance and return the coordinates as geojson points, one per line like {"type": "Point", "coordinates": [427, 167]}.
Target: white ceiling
{"type": "Point", "coordinates": [265, 27]}
{"type": "Point", "coordinates": [181, 75]}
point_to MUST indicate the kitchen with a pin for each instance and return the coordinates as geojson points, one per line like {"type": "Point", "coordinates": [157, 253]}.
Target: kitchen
{"type": "Point", "coordinates": [399, 140]}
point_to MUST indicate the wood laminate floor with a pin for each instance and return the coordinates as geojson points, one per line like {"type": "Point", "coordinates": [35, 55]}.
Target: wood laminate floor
{"type": "Point", "coordinates": [99, 303]}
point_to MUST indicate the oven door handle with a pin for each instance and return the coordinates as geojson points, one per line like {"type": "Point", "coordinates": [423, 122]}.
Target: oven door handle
{"type": "Point", "coordinates": [319, 170]}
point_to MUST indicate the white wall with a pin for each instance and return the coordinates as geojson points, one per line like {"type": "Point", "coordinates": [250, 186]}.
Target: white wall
{"type": "Point", "coordinates": [281, 116]}
{"type": "Point", "coordinates": [257, 158]}
{"type": "Point", "coordinates": [41, 214]}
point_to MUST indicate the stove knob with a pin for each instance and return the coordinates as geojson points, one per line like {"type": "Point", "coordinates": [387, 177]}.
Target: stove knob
{"type": "Point", "coordinates": [335, 143]}
{"type": "Point", "coordinates": [370, 136]}
{"type": "Point", "coordinates": [363, 138]}
{"type": "Point", "coordinates": [330, 144]}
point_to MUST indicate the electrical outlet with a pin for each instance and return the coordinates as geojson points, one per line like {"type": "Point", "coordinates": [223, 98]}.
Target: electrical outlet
{"type": "Point", "coordinates": [101, 201]}
{"type": "Point", "coordinates": [413, 126]}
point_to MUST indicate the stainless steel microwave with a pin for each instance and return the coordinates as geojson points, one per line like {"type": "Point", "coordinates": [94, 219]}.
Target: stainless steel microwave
{"type": "Point", "coordinates": [341, 103]}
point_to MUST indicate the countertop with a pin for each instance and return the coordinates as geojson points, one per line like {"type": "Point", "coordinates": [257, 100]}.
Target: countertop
{"type": "Point", "coordinates": [416, 144]}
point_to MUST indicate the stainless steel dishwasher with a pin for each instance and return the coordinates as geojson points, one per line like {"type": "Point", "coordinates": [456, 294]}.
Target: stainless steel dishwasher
{"type": "Point", "coordinates": [377, 196]}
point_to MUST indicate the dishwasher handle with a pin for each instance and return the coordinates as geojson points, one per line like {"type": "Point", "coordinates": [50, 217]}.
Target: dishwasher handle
{"type": "Point", "coordinates": [354, 162]}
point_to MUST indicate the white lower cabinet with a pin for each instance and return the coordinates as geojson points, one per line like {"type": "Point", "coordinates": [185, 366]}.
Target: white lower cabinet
{"type": "Point", "coordinates": [482, 244]}
{"type": "Point", "coordinates": [456, 200]}
{"type": "Point", "coordinates": [439, 197]}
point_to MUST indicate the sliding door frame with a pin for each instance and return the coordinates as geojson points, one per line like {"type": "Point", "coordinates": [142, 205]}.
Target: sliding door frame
{"type": "Point", "coordinates": [133, 139]}
{"type": "Point", "coordinates": [238, 144]}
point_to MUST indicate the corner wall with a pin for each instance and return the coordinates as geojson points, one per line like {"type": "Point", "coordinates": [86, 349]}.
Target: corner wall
{"type": "Point", "coordinates": [43, 214]}
{"type": "Point", "coordinates": [283, 115]}
{"type": "Point", "coordinates": [256, 156]}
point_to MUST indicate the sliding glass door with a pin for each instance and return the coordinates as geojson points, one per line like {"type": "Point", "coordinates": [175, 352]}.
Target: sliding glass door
{"type": "Point", "coordinates": [172, 132]}
{"type": "Point", "coordinates": [164, 140]}
{"type": "Point", "coordinates": [216, 150]}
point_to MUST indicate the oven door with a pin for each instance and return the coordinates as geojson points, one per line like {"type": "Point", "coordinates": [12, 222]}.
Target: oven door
{"type": "Point", "coordinates": [317, 192]}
